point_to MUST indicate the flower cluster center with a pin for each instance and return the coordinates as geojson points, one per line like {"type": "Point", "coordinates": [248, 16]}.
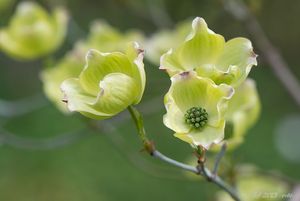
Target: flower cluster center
{"type": "Point", "coordinates": [196, 117]}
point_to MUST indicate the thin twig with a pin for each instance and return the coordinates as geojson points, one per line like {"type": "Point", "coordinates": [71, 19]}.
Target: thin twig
{"type": "Point", "coordinates": [113, 134]}
{"type": "Point", "coordinates": [218, 158]}
{"type": "Point", "coordinates": [204, 172]}
{"type": "Point", "coordinates": [184, 166]}
{"type": "Point", "coordinates": [223, 185]}
{"type": "Point", "coordinates": [270, 53]}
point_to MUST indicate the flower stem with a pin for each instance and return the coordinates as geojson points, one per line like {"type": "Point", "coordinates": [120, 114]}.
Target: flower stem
{"type": "Point", "coordinates": [149, 147]}
{"type": "Point", "coordinates": [139, 123]}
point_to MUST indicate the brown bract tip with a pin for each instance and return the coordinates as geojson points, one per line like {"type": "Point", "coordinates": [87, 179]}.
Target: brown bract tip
{"type": "Point", "coordinates": [185, 74]}
{"type": "Point", "coordinates": [140, 50]}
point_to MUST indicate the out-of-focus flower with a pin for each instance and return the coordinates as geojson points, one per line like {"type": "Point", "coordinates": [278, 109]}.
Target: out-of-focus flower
{"type": "Point", "coordinates": [102, 37]}
{"type": "Point", "coordinates": [70, 66]}
{"type": "Point", "coordinates": [243, 111]}
{"type": "Point", "coordinates": [105, 38]}
{"type": "Point", "coordinates": [287, 137]}
{"type": "Point", "coordinates": [195, 109]}
{"type": "Point", "coordinates": [32, 32]}
{"type": "Point", "coordinates": [209, 55]}
{"type": "Point", "coordinates": [108, 84]}
{"type": "Point", "coordinates": [160, 42]}
{"type": "Point", "coordinates": [252, 186]}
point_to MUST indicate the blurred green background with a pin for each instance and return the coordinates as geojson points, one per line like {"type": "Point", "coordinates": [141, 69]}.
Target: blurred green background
{"type": "Point", "coordinates": [108, 165]}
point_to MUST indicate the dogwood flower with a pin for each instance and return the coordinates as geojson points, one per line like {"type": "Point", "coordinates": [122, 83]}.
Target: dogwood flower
{"type": "Point", "coordinates": [207, 53]}
{"type": "Point", "coordinates": [108, 84]}
{"type": "Point", "coordinates": [106, 38]}
{"type": "Point", "coordinates": [69, 66]}
{"type": "Point", "coordinates": [102, 37]}
{"type": "Point", "coordinates": [32, 32]}
{"type": "Point", "coordinates": [196, 109]}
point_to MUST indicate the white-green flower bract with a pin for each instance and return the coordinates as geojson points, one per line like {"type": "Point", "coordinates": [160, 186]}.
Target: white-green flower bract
{"type": "Point", "coordinates": [32, 32]}
{"type": "Point", "coordinates": [243, 111]}
{"type": "Point", "coordinates": [187, 91]}
{"type": "Point", "coordinates": [207, 53]}
{"type": "Point", "coordinates": [108, 84]}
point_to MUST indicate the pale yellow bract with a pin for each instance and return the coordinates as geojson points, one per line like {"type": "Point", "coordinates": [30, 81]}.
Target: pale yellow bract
{"type": "Point", "coordinates": [210, 56]}
{"type": "Point", "coordinates": [108, 84]}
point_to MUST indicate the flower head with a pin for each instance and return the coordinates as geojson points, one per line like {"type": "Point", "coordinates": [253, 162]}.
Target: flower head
{"type": "Point", "coordinates": [207, 53]}
{"type": "Point", "coordinates": [108, 84]}
{"type": "Point", "coordinates": [195, 109]}
{"type": "Point", "coordinates": [102, 37]}
{"type": "Point", "coordinates": [105, 38]}
{"type": "Point", "coordinates": [69, 66]}
{"type": "Point", "coordinates": [32, 32]}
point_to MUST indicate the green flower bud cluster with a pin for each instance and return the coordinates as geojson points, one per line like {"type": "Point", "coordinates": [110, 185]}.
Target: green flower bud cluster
{"type": "Point", "coordinates": [196, 117]}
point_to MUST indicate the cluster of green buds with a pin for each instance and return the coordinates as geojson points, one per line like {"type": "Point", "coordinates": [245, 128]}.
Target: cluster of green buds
{"type": "Point", "coordinates": [196, 117]}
